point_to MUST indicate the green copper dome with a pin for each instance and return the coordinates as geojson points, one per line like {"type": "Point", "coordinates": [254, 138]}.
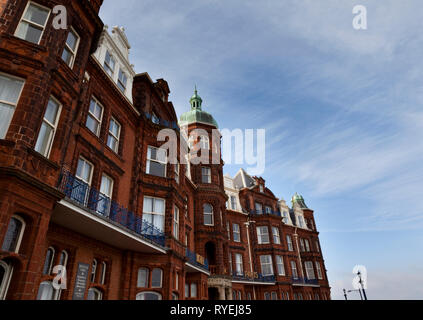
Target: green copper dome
{"type": "Point", "coordinates": [196, 114]}
{"type": "Point", "coordinates": [299, 199]}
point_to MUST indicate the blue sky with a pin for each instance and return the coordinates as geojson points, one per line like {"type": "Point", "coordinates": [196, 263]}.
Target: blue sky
{"type": "Point", "coordinates": [342, 111]}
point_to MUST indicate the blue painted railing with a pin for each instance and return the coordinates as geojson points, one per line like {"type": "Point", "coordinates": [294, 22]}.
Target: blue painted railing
{"type": "Point", "coordinates": [258, 277]}
{"type": "Point", "coordinates": [305, 281]}
{"type": "Point", "coordinates": [263, 212]}
{"type": "Point", "coordinates": [192, 259]}
{"type": "Point", "coordinates": [90, 198]}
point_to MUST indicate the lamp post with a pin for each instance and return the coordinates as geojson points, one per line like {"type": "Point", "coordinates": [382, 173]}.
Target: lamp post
{"type": "Point", "coordinates": [247, 224]}
{"type": "Point", "coordinates": [362, 286]}
{"type": "Point", "coordinates": [345, 294]}
{"type": "Point", "coordinates": [359, 291]}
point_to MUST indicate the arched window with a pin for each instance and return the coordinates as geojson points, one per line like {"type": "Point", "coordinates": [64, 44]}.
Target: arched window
{"type": "Point", "coordinates": [63, 258]}
{"type": "Point", "coordinates": [208, 214]}
{"type": "Point", "coordinates": [93, 270]}
{"type": "Point", "coordinates": [94, 294]}
{"type": "Point", "coordinates": [14, 233]}
{"type": "Point", "coordinates": [156, 278]}
{"type": "Point", "coordinates": [103, 272]}
{"type": "Point", "coordinates": [204, 142]}
{"type": "Point", "coordinates": [48, 262]}
{"type": "Point", "coordinates": [149, 296]}
{"type": "Point", "coordinates": [47, 292]}
{"type": "Point", "coordinates": [142, 278]}
{"type": "Point", "coordinates": [5, 276]}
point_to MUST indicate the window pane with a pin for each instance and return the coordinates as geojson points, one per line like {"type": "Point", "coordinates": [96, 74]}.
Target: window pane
{"type": "Point", "coordinates": [12, 235]}
{"type": "Point", "coordinates": [156, 278]}
{"type": "Point", "coordinates": [29, 32]}
{"type": "Point", "coordinates": [43, 142]}
{"type": "Point", "coordinates": [142, 278]}
{"type": "Point", "coordinates": [10, 89]}
{"type": "Point", "coordinates": [67, 56]}
{"type": "Point", "coordinates": [45, 291]}
{"type": "Point", "coordinates": [157, 169]}
{"type": "Point", "coordinates": [36, 14]}
{"type": "Point", "coordinates": [148, 204]}
{"type": "Point", "coordinates": [72, 40]}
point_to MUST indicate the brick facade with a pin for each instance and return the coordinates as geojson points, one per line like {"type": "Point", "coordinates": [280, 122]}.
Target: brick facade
{"type": "Point", "coordinates": [57, 213]}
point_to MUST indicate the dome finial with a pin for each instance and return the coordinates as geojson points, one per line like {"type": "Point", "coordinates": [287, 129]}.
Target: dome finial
{"type": "Point", "coordinates": [196, 100]}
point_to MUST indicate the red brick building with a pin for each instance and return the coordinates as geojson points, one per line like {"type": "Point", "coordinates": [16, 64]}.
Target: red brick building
{"type": "Point", "coordinates": [84, 184]}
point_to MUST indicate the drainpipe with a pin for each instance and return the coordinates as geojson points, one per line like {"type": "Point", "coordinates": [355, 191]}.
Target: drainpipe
{"type": "Point", "coordinates": [299, 255]}
{"type": "Point", "coordinates": [247, 224]}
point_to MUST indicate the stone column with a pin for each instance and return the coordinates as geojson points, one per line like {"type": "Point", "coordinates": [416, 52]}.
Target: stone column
{"type": "Point", "coordinates": [221, 293]}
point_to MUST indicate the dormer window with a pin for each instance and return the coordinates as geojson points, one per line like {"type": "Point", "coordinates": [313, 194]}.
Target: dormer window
{"type": "Point", "coordinates": [109, 64]}
{"type": "Point", "coordinates": [122, 80]}
{"type": "Point", "coordinates": [261, 188]}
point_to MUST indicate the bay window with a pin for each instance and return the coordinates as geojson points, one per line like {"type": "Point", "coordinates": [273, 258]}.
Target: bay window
{"type": "Point", "coordinates": [206, 175]}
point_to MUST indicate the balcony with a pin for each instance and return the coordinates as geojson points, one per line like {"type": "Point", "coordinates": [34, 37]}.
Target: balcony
{"type": "Point", "coordinates": [103, 219]}
{"type": "Point", "coordinates": [264, 213]}
{"type": "Point", "coordinates": [305, 282]}
{"type": "Point", "coordinates": [253, 278]}
{"type": "Point", "coordinates": [196, 261]}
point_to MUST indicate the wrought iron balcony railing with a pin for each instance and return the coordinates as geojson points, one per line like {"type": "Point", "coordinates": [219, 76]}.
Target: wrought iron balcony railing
{"type": "Point", "coordinates": [305, 281]}
{"type": "Point", "coordinates": [97, 203]}
{"type": "Point", "coordinates": [255, 277]}
{"type": "Point", "coordinates": [197, 260]}
{"type": "Point", "coordinates": [263, 212]}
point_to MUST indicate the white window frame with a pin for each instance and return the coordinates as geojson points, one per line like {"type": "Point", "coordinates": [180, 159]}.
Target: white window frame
{"type": "Point", "coordinates": [294, 267]}
{"type": "Point", "coordinates": [261, 234]}
{"type": "Point", "coordinates": [73, 52]}
{"type": "Point", "coordinates": [91, 172]}
{"type": "Point", "coordinates": [155, 212]}
{"type": "Point", "coordinates": [239, 264]}
{"type": "Point", "coordinates": [107, 66]}
{"type": "Point", "coordinates": [276, 235]}
{"type": "Point", "coordinates": [15, 104]}
{"type": "Point", "coordinates": [34, 24]}
{"type": "Point", "coordinates": [258, 205]}
{"type": "Point", "coordinates": [96, 292]}
{"type": "Point", "coordinates": [52, 125]}
{"type": "Point", "coordinates": [90, 114]}
{"type": "Point", "coordinates": [319, 270]}
{"type": "Point", "coordinates": [177, 171]}
{"type": "Point", "coordinates": [139, 279]}
{"type": "Point", "coordinates": [208, 213]}
{"type": "Point", "coordinates": [289, 242]}
{"type": "Point", "coordinates": [176, 222]}
{"type": "Point", "coordinates": [236, 230]}
{"type": "Point", "coordinates": [233, 203]}
{"type": "Point", "coordinates": [103, 273]}
{"type": "Point", "coordinates": [119, 81]}
{"type": "Point", "coordinates": [157, 161]}
{"type": "Point", "coordinates": [161, 278]}
{"type": "Point", "coordinates": [208, 175]}
{"type": "Point", "coordinates": [142, 294]}
{"type": "Point", "coordinates": [204, 142]}
{"type": "Point", "coordinates": [4, 286]}
{"type": "Point", "coordinates": [50, 263]}
{"type": "Point", "coordinates": [280, 265]}
{"type": "Point", "coordinates": [307, 245]}
{"type": "Point", "coordinates": [113, 136]}
{"type": "Point", "coordinates": [309, 270]}
{"type": "Point", "coordinates": [93, 270]}
{"type": "Point", "coordinates": [264, 264]}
